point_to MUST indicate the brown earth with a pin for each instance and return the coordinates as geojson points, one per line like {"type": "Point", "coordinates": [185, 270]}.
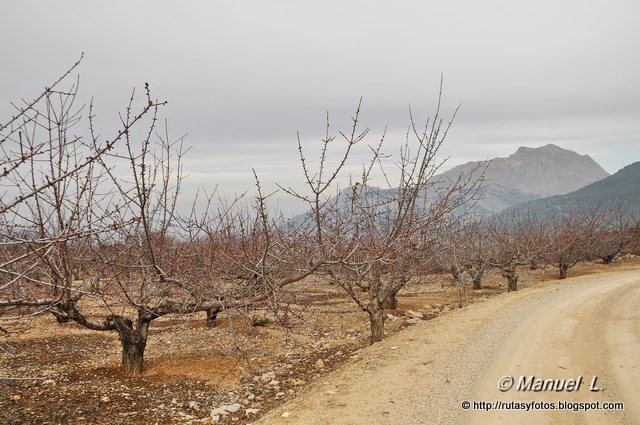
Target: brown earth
{"type": "Point", "coordinates": [51, 373]}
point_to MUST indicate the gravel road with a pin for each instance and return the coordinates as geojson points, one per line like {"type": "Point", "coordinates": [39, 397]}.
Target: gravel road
{"type": "Point", "coordinates": [580, 327]}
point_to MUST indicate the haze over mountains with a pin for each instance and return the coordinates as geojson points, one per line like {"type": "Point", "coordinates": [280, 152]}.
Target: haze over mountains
{"type": "Point", "coordinates": [529, 174]}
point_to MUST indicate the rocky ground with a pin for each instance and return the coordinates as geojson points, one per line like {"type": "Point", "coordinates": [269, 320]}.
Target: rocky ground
{"type": "Point", "coordinates": [234, 372]}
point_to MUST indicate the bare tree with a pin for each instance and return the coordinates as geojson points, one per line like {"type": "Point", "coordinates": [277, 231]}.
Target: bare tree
{"type": "Point", "coordinates": [619, 224]}
{"type": "Point", "coordinates": [372, 239]}
{"type": "Point", "coordinates": [49, 175]}
{"type": "Point", "coordinates": [91, 233]}
{"type": "Point", "coordinates": [64, 207]}
{"type": "Point", "coordinates": [572, 237]}
{"type": "Point", "coordinates": [516, 239]}
{"type": "Point", "coordinates": [463, 248]}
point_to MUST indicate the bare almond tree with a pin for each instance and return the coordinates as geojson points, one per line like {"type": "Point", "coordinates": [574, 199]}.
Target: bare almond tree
{"type": "Point", "coordinates": [618, 230]}
{"type": "Point", "coordinates": [572, 237]}
{"type": "Point", "coordinates": [49, 176]}
{"type": "Point", "coordinates": [373, 239]}
{"type": "Point", "coordinates": [64, 206]}
{"type": "Point", "coordinates": [464, 249]}
{"type": "Point", "coordinates": [516, 239]}
{"type": "Point", "coordinates": [90, 229]}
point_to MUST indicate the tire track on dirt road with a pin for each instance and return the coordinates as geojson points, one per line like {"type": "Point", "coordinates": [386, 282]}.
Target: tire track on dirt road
{"type": "Point", "coordinates": [584, 326]}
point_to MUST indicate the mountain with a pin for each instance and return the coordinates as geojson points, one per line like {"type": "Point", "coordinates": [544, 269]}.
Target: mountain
{"type": "Point", "coordinates": [623, 185]}
{"type": "Point", "coordinates": [528, 174]}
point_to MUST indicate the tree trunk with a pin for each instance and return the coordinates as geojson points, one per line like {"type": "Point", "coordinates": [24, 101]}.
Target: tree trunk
{"type": "Point", "coordinates": [477, 283]}
{"type": "Point", "coordinates": [513, 281]}
{"type": "Point", "coordinates": [212, 315]}
{"type": "Point", "coordinates": [509, 271]}
{"type": "Point", "coordinates": [61, 316]}
{"type": "Point", "coordinates": [476, 276]}
{"type": "Point", "coordinates": [563, 270]}
{"type": "Point", "coordinates": [607, 259]}
{"type": "Point", "coordinates": [132, 354]}
{"type": "Point", "coordinates": [134, 341]}
{"type": "Point", "coordinates": [376, 316]}
{"type": "Point", "coordinates": [391, 302]}
{"type": "Point", "coordinates": [455, 272]}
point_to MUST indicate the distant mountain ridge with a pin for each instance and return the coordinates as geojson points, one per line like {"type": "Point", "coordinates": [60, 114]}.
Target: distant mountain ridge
{"type": "Point", "coordinates": [621, 186]}
{"type": "Point", "coordinates": [528, 174]}
{"type": "Point", "coordinates": [524, 176]}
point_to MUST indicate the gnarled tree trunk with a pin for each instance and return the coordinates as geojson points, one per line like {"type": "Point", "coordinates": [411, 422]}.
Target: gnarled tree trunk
{"type": "Point", "coordinates": [476, 276]}
{"type": "Point", "coordinates": [134, 342]}
{"type": "Point", "coordinates": [376, 317]}
{"type": "Point", "coordinates": [512, 275]}
{"type": "Point", "coordinates": [608, 259]}
{"type": "Point", "coordinates": [513, 281]}
{"type": "Point", "coordinates": [564, 267]}
{"type": "Point", "coordinates": [212, 315]}
{"type": "Point", "coordinates": [391, 302]}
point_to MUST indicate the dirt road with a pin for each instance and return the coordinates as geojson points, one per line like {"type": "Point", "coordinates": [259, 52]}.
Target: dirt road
{"type": "Point", "coordinates": [573, 329]}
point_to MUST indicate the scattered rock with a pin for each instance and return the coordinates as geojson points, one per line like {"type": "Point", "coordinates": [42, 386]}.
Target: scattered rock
{"type": "Point", "coordinates": [414, 314]}
{"type": "Point", "coordinates": [286, 414]}
{"type": "Point", "coordinates": [16, 397]}
{"type": "Point", "coordinates": [105, 399]}
{"type": "Point", "coordinates": [194, 405]}
{"type": "Point", "coordinates": [267, 377]}
{"type": "Point", "coordinates": [319, 364]}
{"type": "Point", "coordinates": [249, 412]}
{"type": "Point", "coordinates": [217, 412]}
{"type": "Point", "coordinates": [226, 409]}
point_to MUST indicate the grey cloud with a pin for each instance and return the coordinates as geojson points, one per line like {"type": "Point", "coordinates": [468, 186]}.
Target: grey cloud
{"type": "Point", "coordinates": [242, 77]}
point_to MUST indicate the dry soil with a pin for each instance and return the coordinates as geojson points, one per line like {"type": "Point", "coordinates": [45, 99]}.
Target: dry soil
{"type": "Point", "coordinates": [580, 327]}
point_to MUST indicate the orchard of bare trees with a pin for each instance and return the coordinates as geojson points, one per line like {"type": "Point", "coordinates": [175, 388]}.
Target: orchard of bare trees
{"type": "Point", "coordinates": [91, 231]}
{"type": "Point", "coordinates": [520, 238]}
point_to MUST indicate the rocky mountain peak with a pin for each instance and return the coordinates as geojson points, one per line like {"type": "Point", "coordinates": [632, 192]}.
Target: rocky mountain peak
{"type": "Point", "coordinates": [531, 173]}
{"type": "Point", "coordinates": [549, 149]}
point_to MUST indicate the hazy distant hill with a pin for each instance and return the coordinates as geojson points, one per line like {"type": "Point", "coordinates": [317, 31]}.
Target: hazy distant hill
{"type": "Point", "coordinates": [623, 185]}
{"type": "Point", "coordinates": [526, 175]}
{"type": "Point", "coordinates": [531, 173]}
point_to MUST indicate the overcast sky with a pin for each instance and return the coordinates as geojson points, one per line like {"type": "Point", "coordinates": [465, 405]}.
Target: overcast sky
{"type": "Point", "coordinates": [242, 77]}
